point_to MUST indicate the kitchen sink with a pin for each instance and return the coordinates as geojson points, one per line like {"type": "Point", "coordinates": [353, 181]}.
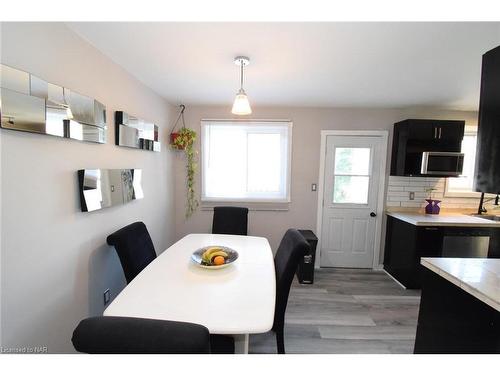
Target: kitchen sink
{"type": "Point", "coordinates": [487, 217]}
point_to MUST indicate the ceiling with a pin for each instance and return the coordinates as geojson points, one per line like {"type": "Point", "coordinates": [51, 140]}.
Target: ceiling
{"type": "Point", "coordinates": [387, 65]}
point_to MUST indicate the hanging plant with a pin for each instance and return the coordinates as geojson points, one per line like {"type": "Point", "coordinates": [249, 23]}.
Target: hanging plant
{"type": "Point", "coordinates": [183, 140]}
{"type": "Point", "coordinates": [175, 141]}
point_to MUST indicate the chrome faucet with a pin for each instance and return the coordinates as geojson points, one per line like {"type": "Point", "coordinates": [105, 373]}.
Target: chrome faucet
{"type": "Point", "coordinates": [481, 210]}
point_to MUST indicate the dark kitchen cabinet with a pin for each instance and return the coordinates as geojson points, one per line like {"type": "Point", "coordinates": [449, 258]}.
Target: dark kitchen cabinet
{"type": "Point", "coordinates": [452, 321]}
{"type": "Point", "coordinates": [449, 133]}
{"type": "Point", "coordinates": [418, 130]}
{"type": "Point", "coordinates": [406, 243]}
{"type": "Point", "coordinates": [487, 175]}
{"type": "Point", "coordinates": [435, 132]}
{"type": "Point", "coordinates": [414, 136]}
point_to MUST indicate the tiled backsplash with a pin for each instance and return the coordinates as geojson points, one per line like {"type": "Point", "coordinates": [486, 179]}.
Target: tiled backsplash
{"type": "Point", "coordinates": [399, 188]}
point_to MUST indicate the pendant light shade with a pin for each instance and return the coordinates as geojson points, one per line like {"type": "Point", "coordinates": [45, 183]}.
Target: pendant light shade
{"type": "Point", "coordinates": [241, 105]}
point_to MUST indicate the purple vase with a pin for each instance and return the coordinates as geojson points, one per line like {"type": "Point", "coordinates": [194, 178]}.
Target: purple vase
{"type": "Point", "coordinates": [432, 206]}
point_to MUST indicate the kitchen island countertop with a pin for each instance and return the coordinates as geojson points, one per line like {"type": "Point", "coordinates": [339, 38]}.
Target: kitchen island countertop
{"type": "Point", "coordinates": [480, 277]}
{"type": "Point", "coordinates": [443, 219]}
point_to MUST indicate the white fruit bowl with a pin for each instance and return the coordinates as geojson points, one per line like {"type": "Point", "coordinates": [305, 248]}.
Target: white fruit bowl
{"type": "Point", "coordinates": [196, 257]}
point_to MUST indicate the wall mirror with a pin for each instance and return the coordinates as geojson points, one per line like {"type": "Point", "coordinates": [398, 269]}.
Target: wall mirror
{"type": "Point", "coordinates": [101, 188]}
{"type": "Point", "coordinates": [30, 104]}
{"type": "Point", "coordinates": [134, 132]}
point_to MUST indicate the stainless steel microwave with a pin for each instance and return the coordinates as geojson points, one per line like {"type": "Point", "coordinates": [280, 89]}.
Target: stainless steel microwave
{"type": "Point", "coordinates": [442, 163]}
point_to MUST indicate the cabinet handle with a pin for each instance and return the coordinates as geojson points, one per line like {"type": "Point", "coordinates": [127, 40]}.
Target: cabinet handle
{"type": "Point", "coordinates": [435, 132]}
{"type": "Point", "coordinates": [440, 129]}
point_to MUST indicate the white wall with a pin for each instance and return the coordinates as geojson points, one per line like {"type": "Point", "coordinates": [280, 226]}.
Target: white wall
{"type": "Point", "coordinates": [307, 126]}
{"type": "Point", "coordinates": [55, 261]}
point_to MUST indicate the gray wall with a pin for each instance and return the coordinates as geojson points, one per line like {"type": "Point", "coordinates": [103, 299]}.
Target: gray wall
{"type": "Point", "coordinates": [307, 125]}
{"type": "Point", "coordinates": [55, 261]}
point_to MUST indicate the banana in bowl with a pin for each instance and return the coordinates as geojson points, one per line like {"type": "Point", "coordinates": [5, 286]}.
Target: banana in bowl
{"type": "Point", "coordinates": [214, 257]}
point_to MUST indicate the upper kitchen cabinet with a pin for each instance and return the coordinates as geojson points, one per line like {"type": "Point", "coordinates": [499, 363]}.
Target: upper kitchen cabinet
{"type": "Point", "coordinates": [487, 178]}
{"type": "Point", "coordinates": [427, 148]}
{"type": "Point", "coordinates": [435, 134]}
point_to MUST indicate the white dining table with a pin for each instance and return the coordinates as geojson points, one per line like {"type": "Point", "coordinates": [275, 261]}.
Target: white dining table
{"type": "Point", "coordinates": [237, 300]}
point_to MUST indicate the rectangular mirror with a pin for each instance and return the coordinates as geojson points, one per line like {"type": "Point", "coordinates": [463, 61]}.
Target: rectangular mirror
{"type": "Point", "coordinates": [30, 104]}
{"type": "Point", "coordinates": [101, 188]}
{"type": "Point", "coordinates": [134, 132]}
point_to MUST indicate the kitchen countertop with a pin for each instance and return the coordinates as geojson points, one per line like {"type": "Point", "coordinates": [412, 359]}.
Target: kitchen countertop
{"type": "Point", "coordinates": [480, 277]}
{"type": "Point", "coordinates": [443, 219]}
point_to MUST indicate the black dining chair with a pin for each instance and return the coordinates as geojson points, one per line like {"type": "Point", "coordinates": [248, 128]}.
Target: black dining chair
{"type": "Point", "coordinates": [123, 335]}
{"type": "Point", "coordinates": [291, 250]}
{"type": "Point", "coordinates": [134, 247]}
{"type": "Point", "coordinates": [230, 220]}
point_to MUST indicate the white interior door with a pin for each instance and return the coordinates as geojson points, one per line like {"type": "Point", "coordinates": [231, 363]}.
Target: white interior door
{"type": "Point", "coordinates": [350, 195]}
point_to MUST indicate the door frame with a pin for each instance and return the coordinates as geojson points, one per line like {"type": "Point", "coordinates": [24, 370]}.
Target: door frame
{"type": "Point", "coordinates": [384, 135]}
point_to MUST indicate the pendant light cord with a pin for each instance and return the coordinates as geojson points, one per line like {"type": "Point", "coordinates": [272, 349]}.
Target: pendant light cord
{"type": "Point", "coordinates": [241, 76]}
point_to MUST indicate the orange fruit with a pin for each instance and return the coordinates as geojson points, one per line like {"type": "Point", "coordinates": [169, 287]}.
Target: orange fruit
{"type": "Point", "coordinates": [219, 260]}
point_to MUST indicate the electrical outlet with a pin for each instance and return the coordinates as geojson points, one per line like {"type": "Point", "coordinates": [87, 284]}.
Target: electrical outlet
{"type": "Point", "coordinates": [412, 195]}
{"type": "Point", "coordinates": [313, 187]}
{"type": "Point", "coordinates": [107, 297]}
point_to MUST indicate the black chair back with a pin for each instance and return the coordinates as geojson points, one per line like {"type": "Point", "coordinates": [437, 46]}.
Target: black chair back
{"type": "Point", "coordinates": [292, 248]}
{"type": "Point", "coordinates": [120, 335]}
{"type": "Point", "coordinates": [230, 220]}
{"type": "Point", "coordinates": [134, 247]}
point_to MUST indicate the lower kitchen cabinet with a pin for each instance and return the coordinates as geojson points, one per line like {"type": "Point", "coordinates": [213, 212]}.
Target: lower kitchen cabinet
{"type": "Point", "coordinates": [406, 243]}
{"type": "Point", "coordinates": [452, 321]}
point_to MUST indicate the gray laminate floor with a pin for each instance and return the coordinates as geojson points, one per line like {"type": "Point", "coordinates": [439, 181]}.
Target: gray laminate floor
{"type": "Point", "coordinates": [347, 311]}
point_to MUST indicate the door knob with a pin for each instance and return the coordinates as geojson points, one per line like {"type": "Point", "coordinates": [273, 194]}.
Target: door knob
{"type": "Point", "coordinates": [373, 214]}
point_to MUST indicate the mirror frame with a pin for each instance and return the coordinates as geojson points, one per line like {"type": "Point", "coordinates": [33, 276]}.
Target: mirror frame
{"type": "Point", "coordinates": [102, 188]}
{"type": "Point", "coordinates": [133, 132]}
{"type": "Point", "coordinates": [30, 104]}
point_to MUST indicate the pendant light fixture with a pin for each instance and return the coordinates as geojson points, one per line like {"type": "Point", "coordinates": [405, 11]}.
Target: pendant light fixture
{"type": "Point", "coordinates": [241, 106]}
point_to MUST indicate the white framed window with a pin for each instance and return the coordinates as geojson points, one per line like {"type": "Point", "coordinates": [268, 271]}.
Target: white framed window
{"type": "Point", "coordinates": [246, 161]}
{"type": "Point", "coordinates": [463, 186]}
{"type": "Point", "coordinates": [351, 175]}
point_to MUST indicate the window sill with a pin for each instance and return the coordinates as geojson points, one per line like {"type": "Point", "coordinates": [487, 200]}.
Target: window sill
{"type": "Point", "coordinates": [252, 206]}
{"type": "Point", "coordinates": [466, 194]}
{"type": "Point", "coordinates": [463, 194]}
